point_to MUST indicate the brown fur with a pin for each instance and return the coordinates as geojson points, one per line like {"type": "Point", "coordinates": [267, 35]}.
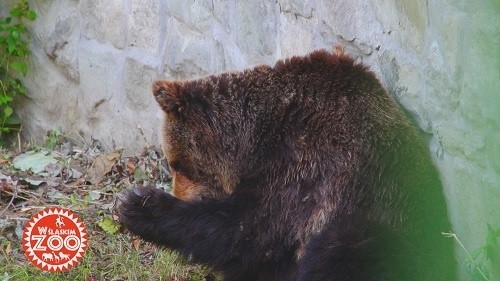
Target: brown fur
{"type": "Point", "coordinates": [296, 172]}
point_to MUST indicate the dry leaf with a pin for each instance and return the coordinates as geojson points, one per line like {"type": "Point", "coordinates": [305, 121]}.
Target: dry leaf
{"type": "Point", "coordinates": [102, 165]}
{"type": "Point", "coordinates": [137, 243]}
{"type": "Point", "coordinates": [6, 183]}
{"type": "Point", "coordinates": [130, 168]}
{"type": "Point", "coordinates": [8, 249]}
{"type": "Point", "coordinates": [80, 181]}
{"type": "Point", "coordinates": [36, 161]}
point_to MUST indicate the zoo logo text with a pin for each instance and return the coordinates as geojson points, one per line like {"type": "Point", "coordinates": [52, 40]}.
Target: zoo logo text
{"type": "Point", "coordinates": [55, 239]}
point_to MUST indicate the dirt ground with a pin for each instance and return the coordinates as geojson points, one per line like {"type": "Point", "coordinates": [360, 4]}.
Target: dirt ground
{"type": "Point", "coordinates": [88, 181]}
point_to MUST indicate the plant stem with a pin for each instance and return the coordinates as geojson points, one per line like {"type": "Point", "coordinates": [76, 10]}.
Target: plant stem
{"type": "Point", "coordinates": [454, 236]}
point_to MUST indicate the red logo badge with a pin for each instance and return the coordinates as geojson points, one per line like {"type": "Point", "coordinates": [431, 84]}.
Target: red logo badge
{"type": "Point", "coordinates": [54, 239]}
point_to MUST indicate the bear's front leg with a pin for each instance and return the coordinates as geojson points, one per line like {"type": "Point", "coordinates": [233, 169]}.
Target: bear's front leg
{"type": "Point", "coordinates": [208, 232]}
{"type": "Point", "coordinates": [148, 213]}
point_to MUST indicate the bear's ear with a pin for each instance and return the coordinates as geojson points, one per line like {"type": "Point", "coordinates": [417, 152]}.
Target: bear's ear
{"type": "Point", "coordinates": [168, 94]}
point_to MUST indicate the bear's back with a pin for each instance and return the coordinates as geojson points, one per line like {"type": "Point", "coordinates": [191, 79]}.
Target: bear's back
{"type": "Point", "coordinates": [341, 146]}
{"type": "Point", "coordinates": [307, 170]}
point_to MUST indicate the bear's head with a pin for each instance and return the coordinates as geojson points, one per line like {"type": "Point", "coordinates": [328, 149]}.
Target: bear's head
{"type": "Point", "coordinates": [205, 135]}
{"type": "Point", "coordinates": [234, 128]}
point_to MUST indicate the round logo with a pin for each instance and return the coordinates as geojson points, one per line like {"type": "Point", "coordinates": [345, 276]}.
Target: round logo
{"type": "Point", "coordinates": [54, 239]}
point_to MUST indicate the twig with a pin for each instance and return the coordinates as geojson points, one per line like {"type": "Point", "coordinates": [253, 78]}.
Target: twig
{"type": "Point", "coordinates": [19, 218]}
{"type": "Point", "coordinates": [82, 138]}
{"type": "Point", "coordinates": [14, 196]}
{"type": "Point", "coordinates": [454, 236]}
{"type": "Point", "coordinates": [19, 140]}
{"type": "Point", "coordinates": [143, 136]}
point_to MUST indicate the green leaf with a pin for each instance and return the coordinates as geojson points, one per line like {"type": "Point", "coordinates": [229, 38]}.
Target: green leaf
{"type": "Point", "coordinates": [31, 15]}
{"type": "Point", "coordinates": [7, 111]}
{"type": "Point", "coordinates": [16, 34]}
{"type": "Point", "coordinates": [21, 51]}
{"type": "Point", "coordinates": [19, 67]}
{"type": "Point", "coordinates": [475, 254]}
{"type": "Point", "coordinates": [16, 12]}
{"type": "Point", "coordinates": [13, 121]}
{"type": "Point", "coordinates": [490, 242]}
{"type": "Point", "coordinates": [73, 199]}
{"type": "Point", "coordinates": [21, 89]}
{"type": "Point", "coordinates": [5, 99]}
{"type": "Point", "coordinates": [11, 48]}
{"type": "Point", "coordinates": [16, 27]}
{"type": "Point", "coordinates": [52, 138]}
{"type": "Point", "coordinates": [109, 225]}
{"type": "Point", "coordinates": [8, 20]}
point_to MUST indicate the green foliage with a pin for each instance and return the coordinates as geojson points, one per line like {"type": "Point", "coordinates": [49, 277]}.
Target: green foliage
{"type": "Point", "coordinates": [14, 49]}
{"type": "Point", "coordinates": [483, 254]}
{"type": "Point", "coordinates": [489, 244]}
{"type": "Point", "coordinates": [52, 138]}
{"type": "Point", "coordinates": [109, 225]}
{"type": "Point", "coordinates": [476, 261]}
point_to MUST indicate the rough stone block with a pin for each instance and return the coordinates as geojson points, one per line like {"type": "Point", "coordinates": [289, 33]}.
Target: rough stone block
{"type": "Point", "coordinates": [186, 54]}
{"type": "Point", "coordinates": [61, 45]}
{"type": "Point", "coordinates": [52, 100]}
{"type": "Point", "coordinates": [194, 14]}
{"type": "Point", "coordinates": [144, 27]}
{"type": "Point", "coordinates": [138, 80]}
{"type": "Point", "coordinates": [255, 40]}
{"type": "Point", "coordinates": [105, 21]}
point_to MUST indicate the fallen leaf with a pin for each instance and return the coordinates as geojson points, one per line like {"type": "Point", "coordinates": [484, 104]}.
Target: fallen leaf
{"type": "Point", "coordinates": [34, 161]}
{"type": "Point", "coordinates": [109, 225]}
{"type": "Point", "coordinates": [130, 168]}
{"type": "Point", "coordinates": [76, 174]}
{"type": "Point", "coordinates": [54, 195]}
{"type": "Point", "coordinates": [34, 182]}
{"type": "Point", "coordinates": [140, 175]}
{"type": "Point", "coordinates": [6, 183]}
{"type": "Point", "coordinates": [80, 181]}
{"type": "Point", "coordinates": [94, 195]}
{"type": "Point", "coordinates": [102, 165]}
{"type": "Point", "coordinates": [53, 170]}
{"type": "Point", "coordinates": [19, 229]}
{"type": "Point", "coordinates": [137, 244]}
{"type": "Point", "coordinates": [8, 248]}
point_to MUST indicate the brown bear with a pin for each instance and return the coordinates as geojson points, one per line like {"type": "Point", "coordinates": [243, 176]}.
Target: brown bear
{"type": "Point", "coordinates": [307, 170]}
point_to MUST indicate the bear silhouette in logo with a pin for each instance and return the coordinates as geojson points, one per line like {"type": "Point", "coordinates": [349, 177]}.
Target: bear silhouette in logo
{"type": "Point", "coordinates": [306, 170]}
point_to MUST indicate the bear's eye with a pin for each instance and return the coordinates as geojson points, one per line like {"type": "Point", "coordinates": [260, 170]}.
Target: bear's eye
{"type": "Point", "coordinates": [175, 166]}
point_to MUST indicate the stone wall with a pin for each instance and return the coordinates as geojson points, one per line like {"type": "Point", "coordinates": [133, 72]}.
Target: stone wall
{"type": "Point", "coordinates": [93, 63]}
